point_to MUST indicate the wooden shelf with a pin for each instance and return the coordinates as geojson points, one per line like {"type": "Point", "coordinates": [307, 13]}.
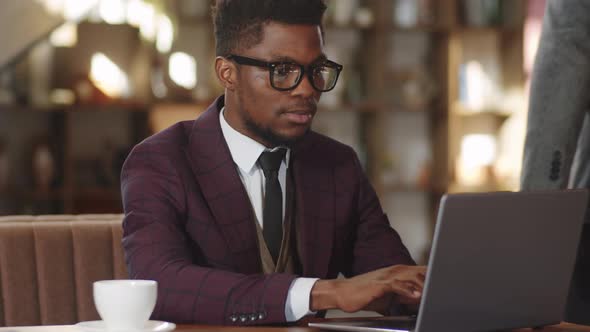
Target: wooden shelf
{"type": "Point", "coordinates": [484, 187]}
{"type": "Point", "coordinates": [485, 112]}
{"type": "Point", "coordinates": [51, 194]}
{"type": "Point", "coordinates": [350, 26]}
{"type": "Point", "coordinates": [490, 113]}
{"type": "Point", "coordinates": [487, 29]}
{"type": "Point", "coordinates": [114, 107]}
{"type": "Point", "coordinates": [77, 108]}
{"type": "Point", "coordinates": [182, 107]}
{"type": "Point", "coordinates": [29, 109]}
{"type": "Point", "coordinates": [97, 192]}
{"type": "Point", "coordinates": [400, 188]}
{"type": "Point", "coordinates": [362, 107]}
{"type": "Point", "coordinates": [445, 48]}
{"type": "Point", "coordinates": [430, 28]}
{"type": "Point", "coordinates": [371, 107]}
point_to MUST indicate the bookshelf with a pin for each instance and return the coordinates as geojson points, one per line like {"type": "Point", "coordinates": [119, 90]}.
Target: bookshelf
{"type": "Point", "coordinates": [413, 116]}
{"type": "Point", "coordinates": [405, 102]}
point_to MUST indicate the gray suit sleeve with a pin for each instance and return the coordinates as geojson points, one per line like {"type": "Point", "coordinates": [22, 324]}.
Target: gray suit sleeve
{"type": "Point", "coordinates": [560, 95]}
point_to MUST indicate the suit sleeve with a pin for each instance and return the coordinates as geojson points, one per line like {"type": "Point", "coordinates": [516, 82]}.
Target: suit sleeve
{"type": "Point", "coordinates": [559, 97]}
{"type": "Point", "coordinates": [157, 248]}
{"type": "Point", "coordinates": [376, 243]}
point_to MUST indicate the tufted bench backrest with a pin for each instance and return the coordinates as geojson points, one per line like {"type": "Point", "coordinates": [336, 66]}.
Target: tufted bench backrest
{"type": "Point", "coordinates": [48, 265]}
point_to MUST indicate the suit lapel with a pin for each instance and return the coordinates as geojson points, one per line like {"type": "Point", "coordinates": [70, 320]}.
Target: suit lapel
{"type": "Point", "coordinates": [224, 193]}
{"type": "Point", "coordinates": [314, 183]}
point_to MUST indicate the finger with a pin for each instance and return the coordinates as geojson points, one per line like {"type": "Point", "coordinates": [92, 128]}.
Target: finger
{"type": "Point", "coordinates": [405, 289]}
{"type": "Point", "coordinates": [418, 284]}
{"type": "Point", "coordinates": [422, 272]}
{"type": "Point", "coordinates": [417, 278]}
{"type": "Point", "coordinates": [408, 300]}
{"type": "Point", "coordinates": [416, 289]}
{"type": "Point", "coordinates": [410, 273]}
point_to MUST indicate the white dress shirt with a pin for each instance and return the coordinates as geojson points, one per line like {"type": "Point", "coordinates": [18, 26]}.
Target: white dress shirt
{"type": "Point", "coordinates": [245, 152]}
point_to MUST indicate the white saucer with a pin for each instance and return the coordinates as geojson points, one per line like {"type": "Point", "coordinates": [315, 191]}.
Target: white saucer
{"type": "Point", "coordinates": [150, 326]}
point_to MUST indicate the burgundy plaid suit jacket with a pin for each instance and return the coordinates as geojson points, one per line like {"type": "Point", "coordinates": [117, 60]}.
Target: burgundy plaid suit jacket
{"type": "Point", "coordinates": [189, 224]}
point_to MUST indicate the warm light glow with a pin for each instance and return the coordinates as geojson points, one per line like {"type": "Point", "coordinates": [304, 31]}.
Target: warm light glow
{"type": "Point", "coordinates": [62, 97]}
{"type": "Point", "coordinates": [112, 11]}
{"type": "Point", "coordinates": [471, 176]}
{"type": "Point", "coordinates": [182, 69]}
{"type": "Point", "coordinates": [475, 81]}
{"type": "Point", "coordinates": [165, 34]}
{"type": "Point", "coordinates": [478, 150]}
{"type": "Point", "coordinates": [65, 36]}
{"type": "Point", "coordinates": [54, 7]}
{"type": "Point", "coordinates": [108, 77]}
{"type": "Point", "coordinates": [159, 88]}
{"type": "Point", "coordinates": [147, 21]}
{"type": "Point", "coordinates": [75, 10]}
{"type": "Point", "coordinates": [478, 153]}
{"type": "Point", "coordinates": [134, 10]}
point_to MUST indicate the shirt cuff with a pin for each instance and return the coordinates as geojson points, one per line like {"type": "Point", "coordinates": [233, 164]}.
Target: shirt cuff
{"type": "Point", "coordinates": [298, 297]}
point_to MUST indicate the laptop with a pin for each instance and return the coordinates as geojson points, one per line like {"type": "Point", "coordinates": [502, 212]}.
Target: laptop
{"type": "Point", "coordinates": [499, 260]}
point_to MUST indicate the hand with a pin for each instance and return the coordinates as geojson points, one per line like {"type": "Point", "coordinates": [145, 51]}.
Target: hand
{"type": "Point", "coordinates": [376, 290]}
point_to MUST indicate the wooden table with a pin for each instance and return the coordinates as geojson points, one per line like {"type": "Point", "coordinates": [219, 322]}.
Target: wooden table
{"type": "Point", "coordinates": [564, 327]}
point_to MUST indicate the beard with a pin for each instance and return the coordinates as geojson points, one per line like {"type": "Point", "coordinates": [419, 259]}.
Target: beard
{"type": "Point", "coordinates": [265, 132]}
{"type": "Point", "coordinates": [268, 135]}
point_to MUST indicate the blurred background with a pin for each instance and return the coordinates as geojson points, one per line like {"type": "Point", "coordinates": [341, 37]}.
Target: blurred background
{"type": "Point", "coordinates": [433, 96]}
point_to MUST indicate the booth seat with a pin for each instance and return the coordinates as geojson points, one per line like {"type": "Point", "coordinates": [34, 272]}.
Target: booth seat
{"type": "Point", "coordinates": [48, 264]}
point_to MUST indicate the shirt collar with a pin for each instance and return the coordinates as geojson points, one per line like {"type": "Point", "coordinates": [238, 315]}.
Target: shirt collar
{"type": "Point", "coordinates": [243, 149]}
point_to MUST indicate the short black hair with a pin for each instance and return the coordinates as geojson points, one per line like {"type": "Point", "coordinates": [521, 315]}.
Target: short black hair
{"type": "Point", "coordinates": [238, 23]}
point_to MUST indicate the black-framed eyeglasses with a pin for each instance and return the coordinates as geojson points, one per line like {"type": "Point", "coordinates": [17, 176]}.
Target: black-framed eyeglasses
{"type": "Point", "coordinates": [286, 75]}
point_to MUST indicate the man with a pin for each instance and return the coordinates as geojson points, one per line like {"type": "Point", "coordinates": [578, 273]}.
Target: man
{"type": "Point", "coordinates": [557, 146]}
{"type": "Point", "coordinates": [233, 239]}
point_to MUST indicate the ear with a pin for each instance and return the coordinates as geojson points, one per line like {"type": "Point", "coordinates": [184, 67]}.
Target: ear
{"type": "Point", "coordinates": [226, 72]}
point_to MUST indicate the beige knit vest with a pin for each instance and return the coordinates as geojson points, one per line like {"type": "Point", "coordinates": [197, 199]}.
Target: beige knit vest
{"type": "Point", "coordinates": [288, 256]}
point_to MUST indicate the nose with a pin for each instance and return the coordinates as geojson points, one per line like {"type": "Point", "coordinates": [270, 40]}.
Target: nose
{"type": "Point", "coordinates": [304, 89]}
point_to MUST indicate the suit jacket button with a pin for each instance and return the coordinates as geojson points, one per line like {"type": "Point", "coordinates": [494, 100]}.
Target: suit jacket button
{"type": "Point", "coordinates": [262, 315]}
{"type": "Point", "coordinates": [243, 318]}
{"type": "Point", "coordinates": [233, 318]}
{"type": "Point", "coordinates": [253, 317]}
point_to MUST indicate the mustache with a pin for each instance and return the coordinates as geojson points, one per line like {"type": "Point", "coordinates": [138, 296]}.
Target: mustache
{"type": "Point", "coordinates": [305, 104]}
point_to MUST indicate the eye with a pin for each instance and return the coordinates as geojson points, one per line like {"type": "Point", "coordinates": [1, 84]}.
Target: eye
{"type": "Point", "coordinates": [319, 69]}
{"type": "Point", "coordinates": [285, 69]}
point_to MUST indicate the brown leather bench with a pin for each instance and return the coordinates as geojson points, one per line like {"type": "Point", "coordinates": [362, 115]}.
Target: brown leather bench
{"type": "Point", "coordinates": [48, 265]}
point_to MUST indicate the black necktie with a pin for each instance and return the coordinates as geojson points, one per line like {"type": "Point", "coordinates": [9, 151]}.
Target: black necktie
{"type": "Point", "coordinates": [270, 162]}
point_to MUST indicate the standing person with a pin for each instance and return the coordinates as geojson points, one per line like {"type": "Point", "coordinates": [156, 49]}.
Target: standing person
{"type": "Point", "coordinates": [557, 146]}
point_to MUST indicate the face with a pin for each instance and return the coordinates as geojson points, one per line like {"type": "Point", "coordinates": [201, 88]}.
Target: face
{"type": "Point", "coordinates": [254, 107]}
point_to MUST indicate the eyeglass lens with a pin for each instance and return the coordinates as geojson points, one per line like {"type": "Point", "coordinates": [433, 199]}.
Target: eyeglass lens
{"type": "Point", "coordinates": [287, 76]}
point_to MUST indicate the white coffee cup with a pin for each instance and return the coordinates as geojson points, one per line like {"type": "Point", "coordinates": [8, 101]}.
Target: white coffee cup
{"type": "Point", "coordinates": [125, 304]}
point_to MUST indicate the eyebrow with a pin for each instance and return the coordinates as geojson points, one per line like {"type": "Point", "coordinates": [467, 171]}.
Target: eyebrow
{"type": "Point", "coordinates": [283, 58]}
